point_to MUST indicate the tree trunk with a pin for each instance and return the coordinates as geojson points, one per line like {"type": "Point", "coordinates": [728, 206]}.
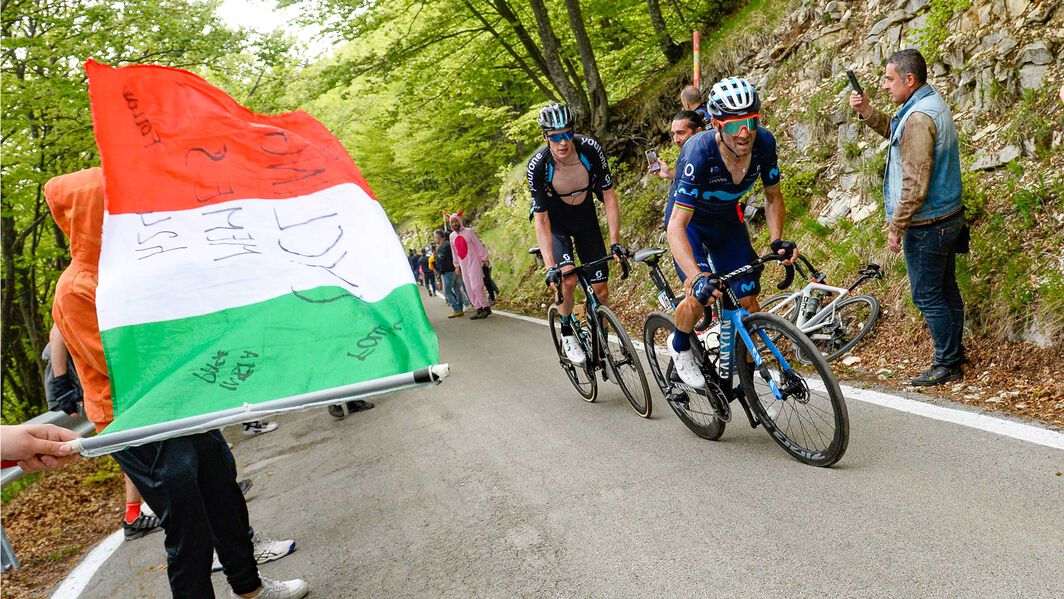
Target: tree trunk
{"type": "Point", "coordinates": [574, 95]}
{"type": "Point", "coordinates": [672, 51]}
{"type": "Point", "coordinates": [513, 53]}
{"type": "Point", "coordinates": [596, 91]}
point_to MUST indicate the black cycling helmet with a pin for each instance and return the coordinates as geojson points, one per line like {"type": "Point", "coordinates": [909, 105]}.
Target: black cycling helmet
{"type": "Point", "coordinates": [555, 116]}
{"type": "Point", "coordinates": [733, 96]}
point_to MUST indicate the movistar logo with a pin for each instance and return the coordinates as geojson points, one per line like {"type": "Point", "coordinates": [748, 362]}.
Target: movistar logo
{"type": "Point", "coordinates": [748, 286]}
{"type": "Point", "coordinates": [693, 192]}
{"type": "Point", "coordinates": [775, 172]}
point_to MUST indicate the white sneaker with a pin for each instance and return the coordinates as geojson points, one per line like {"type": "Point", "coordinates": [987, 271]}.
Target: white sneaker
{"type": "Point", "coordinates": [686, 366]}
{"type": "Point", "coordinates": [573, 350]}
{"type": "Point", "coordinates": [279, 589]}
{"type": "Point", "coordinates": [265, 549]}
{"type": "Point", "coordinates": [258, 427]}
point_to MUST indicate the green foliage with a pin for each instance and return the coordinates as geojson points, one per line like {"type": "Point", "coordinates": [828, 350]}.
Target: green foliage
{"type": "Point", "coordinates": [107, 470]}
{"type": "Point", "coordinates": [798, 188]}
{"type": "Point", "coordinates": [1034, 118]}
{"type": "Point", "coordinates": [930, 37]}
{"type": "Point", "coordinates": [61, 554]}
{"type": "Point", "coordinates": [9, 492]}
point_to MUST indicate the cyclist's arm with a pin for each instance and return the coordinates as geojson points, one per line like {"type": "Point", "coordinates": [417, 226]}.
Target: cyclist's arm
{"type": "Point", "coordinates": [775, 212]}
{"type": "Point", "coordinates": [679, 244]}
{"type": "Point", "coordinates": [544, 238]}
{"type": "Point", "coordinates": [613, 215]}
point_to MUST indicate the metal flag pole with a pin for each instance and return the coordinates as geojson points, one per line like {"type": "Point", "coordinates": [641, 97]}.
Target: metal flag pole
{"type": "Point", "coordinates": [108, 443]}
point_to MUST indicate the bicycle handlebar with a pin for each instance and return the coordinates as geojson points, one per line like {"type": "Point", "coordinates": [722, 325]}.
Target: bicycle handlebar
{"type": "Point", "coordinates": [625, 270]}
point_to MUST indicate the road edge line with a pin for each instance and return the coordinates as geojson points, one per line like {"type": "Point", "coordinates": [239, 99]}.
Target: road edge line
{"type": "Point", "coordinates": [991, 424]}
{"type": "Point", "coordinates": [79, 577]}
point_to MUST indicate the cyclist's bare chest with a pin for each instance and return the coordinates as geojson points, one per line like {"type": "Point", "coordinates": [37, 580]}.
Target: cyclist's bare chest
{"type": "Point", "coordinates": [571, 181]}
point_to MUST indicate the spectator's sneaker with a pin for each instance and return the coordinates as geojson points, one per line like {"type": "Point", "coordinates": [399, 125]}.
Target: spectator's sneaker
{"type": "Point", "coordinates": [245, 486]}
{"type": "Point", "coordinates": [686, 366]}
{"type": "Point", "coordinates": [336, 411]}
{"type": "Point", "coordinates": [144, 524]}
{"type": "Point", "coordinates": [358, 405]}
{"type": "Point", "coordinates": [572, 349]}
{"type": "Point", "coordinates": [458, 314]}
{"type": "Point", "coordinates": [265, 549]}
{"type": "Point", "coordinates": [279, 589]}
{"type": "Point", "coordinates": [937, 375]}
{"type": "Point", "coordinates": [259, 427]}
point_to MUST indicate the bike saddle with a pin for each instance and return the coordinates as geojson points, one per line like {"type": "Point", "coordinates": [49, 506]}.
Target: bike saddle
{"type": "Point", "coordinates": [648, 254]}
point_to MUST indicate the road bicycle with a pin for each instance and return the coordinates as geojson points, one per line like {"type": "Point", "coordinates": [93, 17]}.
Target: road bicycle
{"type": "Point", "coordinates": [831, 320]}
{"type": "Point", "coordinates": [605, 342]}
{"type": "Point", "coordinates": [799, 403]}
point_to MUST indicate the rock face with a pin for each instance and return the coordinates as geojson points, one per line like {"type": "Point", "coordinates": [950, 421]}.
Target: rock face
{"type": "Point", "coordinates": [1037, 53]}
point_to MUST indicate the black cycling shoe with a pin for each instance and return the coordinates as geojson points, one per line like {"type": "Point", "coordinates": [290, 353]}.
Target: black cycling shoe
{"type": "Point", "coordinates": [358, 405]}
{"type": "Point", "coordinates": [144, 524]}
{"type": "Point", "coordinates": [937, 375]}
{"type": "Point", "coordinates": [336, 411]}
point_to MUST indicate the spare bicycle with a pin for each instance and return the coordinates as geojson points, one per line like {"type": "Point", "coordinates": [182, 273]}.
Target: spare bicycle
{"type": "Point", "coordinates": [799, 403]}
{"type": "Point", "coordinates": [605, 342]}
{"type": "Point", "coordinates": [833, 324]}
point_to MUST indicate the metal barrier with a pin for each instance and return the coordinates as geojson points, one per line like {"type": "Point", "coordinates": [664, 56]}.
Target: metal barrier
{"type": "Point", "coordinates": [76, 423]}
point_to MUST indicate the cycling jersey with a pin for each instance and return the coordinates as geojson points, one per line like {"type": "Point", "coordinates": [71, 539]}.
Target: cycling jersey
{"type": "Point", "coordinates": [703, 185]}
{"type": "Point", "coordinates": [572, 226]}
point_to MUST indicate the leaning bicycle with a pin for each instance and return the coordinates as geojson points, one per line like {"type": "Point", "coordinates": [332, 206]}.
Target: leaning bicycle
{"type": "Point", "coordinates": [607, 346]}
{"type": "Point", "coordinates": [798, 402]}
{"type": "Point", "coordinates": [834, 321]}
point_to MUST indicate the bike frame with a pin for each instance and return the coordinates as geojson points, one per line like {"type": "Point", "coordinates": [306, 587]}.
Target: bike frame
{"type": "Point", "coordinates": [823, 314]}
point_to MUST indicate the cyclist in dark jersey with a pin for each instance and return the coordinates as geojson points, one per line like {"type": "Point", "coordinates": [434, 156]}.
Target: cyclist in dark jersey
{"type": "Point", "coordinates": [705, 227]}
{"type": "Point", "coordinates": [563, 176]}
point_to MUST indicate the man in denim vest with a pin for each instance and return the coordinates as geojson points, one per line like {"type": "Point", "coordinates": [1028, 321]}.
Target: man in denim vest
{"type": "Point", "coordinates": [922, 197]}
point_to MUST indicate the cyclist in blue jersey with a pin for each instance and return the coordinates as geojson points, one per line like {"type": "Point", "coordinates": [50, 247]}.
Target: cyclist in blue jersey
{"type": "Point", "coordinates": [563, 176]}
{"type": "Point", "coordinates": [706, 229]}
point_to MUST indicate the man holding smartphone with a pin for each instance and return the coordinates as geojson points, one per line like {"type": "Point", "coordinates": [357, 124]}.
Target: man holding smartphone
{"type": "Point", "coordinates": [922, 197]}
{"type": "Point", "coordinates": [684, 125]}
{"type": "Point", "coordinates": [562, 177]}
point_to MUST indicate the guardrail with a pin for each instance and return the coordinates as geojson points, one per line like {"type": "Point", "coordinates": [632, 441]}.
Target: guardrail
{"type": "Point", "coordinates": [76, 423]}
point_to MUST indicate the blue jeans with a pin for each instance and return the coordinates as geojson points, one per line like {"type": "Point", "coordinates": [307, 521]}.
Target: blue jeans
{"type": "Point", "coordinates": [451, 292]}
{"type": "Point", "coordinates": [931, 259]}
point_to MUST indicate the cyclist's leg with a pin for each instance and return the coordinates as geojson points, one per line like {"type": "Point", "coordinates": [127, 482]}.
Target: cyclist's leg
{"type": "Point", "coordinates": [590, 247]}
{"type": "Point", "coordinates": [690, 311]}
{"type": "Point", "coordinates": [729, 248]}
{"type": "Point", "coordinates": [563, 256]}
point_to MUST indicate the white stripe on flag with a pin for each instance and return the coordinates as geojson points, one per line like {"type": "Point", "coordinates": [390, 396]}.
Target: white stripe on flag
{"type": "Point", "coordinates": [167, 265]}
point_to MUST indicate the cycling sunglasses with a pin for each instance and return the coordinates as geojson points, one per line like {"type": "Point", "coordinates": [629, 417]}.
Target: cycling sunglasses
{"type": "Point", "coordinates": [560, 137]}
{"type": "Point", "coordinates": [735, 125]}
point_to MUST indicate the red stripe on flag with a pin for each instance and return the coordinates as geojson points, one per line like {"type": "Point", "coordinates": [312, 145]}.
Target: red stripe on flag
{"type": "Point", "coordinates": [169, 140]}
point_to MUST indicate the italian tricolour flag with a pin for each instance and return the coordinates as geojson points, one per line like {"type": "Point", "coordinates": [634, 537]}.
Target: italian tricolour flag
{"type": "Point", "coordinates": [246, 266]}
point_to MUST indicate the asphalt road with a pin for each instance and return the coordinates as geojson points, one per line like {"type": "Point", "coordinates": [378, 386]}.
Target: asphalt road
{"type": "Point", "coordinates": [501, 482]}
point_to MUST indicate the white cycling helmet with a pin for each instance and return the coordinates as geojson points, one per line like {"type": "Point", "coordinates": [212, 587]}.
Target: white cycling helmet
{"type": "Point", "coordinates": [733, 96]}
{"type": "Point", "coordinates": [555, 116]}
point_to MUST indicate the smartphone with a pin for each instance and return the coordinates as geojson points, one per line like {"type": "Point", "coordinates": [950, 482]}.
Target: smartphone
{"type": "Point", "coordinates": [853, 82]}
{"type": "Point", "coordinates": [652, 161]}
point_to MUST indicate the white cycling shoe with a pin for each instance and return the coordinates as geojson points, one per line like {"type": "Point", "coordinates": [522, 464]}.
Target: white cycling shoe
{"type": "Point", "coordinates": [573, 350]}
{"type": "Point", "coordinates": [686, 366]}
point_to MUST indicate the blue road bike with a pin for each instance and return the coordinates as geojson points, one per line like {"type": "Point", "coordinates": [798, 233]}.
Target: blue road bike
{"type": "Point", "coordinates": [785, 384]}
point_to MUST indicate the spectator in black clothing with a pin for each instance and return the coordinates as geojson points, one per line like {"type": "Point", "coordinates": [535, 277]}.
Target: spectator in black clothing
{"type": "Point", "coordinates": [445, 264]}
{"type": "Point", "coordinates": [428, 273]}
{"type": "Point", "coordinates": [415, 264]}
{"type": "Point", "coordinates": [493, 289]}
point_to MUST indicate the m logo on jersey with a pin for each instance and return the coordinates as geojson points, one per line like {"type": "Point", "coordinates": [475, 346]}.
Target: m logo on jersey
{"type": "Point", "coordinates": [747, 286]}
{"type": "Point", "coordinates": [693, 192]}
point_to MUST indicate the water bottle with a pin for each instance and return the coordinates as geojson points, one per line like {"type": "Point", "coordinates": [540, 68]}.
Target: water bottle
{"type": "Point", "coordinates": [810, 306]}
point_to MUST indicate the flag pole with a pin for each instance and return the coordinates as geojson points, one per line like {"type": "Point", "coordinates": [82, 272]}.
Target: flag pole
{"type": "Point", "coordinates": [697, 51]}
{"type": "Point", "coordinates": [108, 443]}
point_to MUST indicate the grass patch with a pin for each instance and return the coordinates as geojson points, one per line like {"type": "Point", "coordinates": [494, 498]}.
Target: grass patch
{"type": "Point", "coordinates": [9, 492]}
{"type": "Point", "coordinates": [62, 554]}
{"type": "Point", "coordinates": [107, 471]}
{"type": "Point", "coordinates": [931, 36]}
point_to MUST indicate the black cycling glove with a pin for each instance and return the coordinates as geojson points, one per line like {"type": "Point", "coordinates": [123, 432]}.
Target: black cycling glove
{"type": "Point", "coordinates": [66, 394]}
{"type": "Point", "coordinates": [703, 288]}
{"type": "Point", "coordinates": [554, 276]}
{"type": "Point", "coordinates": [787, 246]}
{"type": "Point", "coordinates": [619, 250]}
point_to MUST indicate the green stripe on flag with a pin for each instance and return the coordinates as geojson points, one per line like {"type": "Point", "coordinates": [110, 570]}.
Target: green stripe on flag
{"type": "Point", "coordinates": [320, 339]}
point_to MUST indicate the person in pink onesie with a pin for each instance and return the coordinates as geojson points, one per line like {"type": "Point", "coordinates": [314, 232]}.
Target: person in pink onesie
{"type": "Point", "coordinates": [470, 256]}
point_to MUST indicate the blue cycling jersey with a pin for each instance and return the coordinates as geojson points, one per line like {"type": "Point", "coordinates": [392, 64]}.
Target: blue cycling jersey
{"type": "Point", "coordinates": [704, 185]}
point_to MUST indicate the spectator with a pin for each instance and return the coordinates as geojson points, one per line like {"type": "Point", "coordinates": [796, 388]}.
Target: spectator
{"type": "Point", "coordinates": [62, 389]}
{"type": "Point", "coordinates": [34, 447]}
{"type": "Point", "coordinates": [684, 126]}
{"type": "Point", "coordinates": [445, 265]}
{"type": "Point", "coordinates": [470, 256]}
{"type": "Point", "coordinates": [428, 273]}
{"type": "Point", "coordinates": [922, 197]}
{"type": "Point", "coordinates": [190, 482]}
{"type": "Point", "coordinates": [259, 427]}
{"type": "Point", "coordinates": [415, 264]}
{"type": "Point", "coordinates": [489, 283]}
{"type": "Point", "coordinates": [691, 99]}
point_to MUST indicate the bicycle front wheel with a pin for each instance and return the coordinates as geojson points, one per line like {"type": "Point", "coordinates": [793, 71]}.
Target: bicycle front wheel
{"type": "Point", "coordinates": [798, 402]}
{"type": "Point", "coordinates": [581, 376]}
{"type": "Point", "coordinates": [694, 410]}
{"type": "Point", "coordinates": [788, 310]}
{"type": "Point", "coordinates": [624, 361]}
{"type": "Point", "coordinates": [853, 319]}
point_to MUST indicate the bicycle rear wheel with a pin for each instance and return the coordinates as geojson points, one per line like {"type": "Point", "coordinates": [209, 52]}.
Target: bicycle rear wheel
{"type": "Point", "coordinates": [809, 421]}
{"type": "Point", "coordinates": [624, 360]}
{"type": "Point", "coordinates": [788, 311]}
{"type": "Point", "coordinates": [694, 410]}
{"type": "Point", "coordinates": [853, 319]}
{"type": "Point", "coordinates": [582, 377]}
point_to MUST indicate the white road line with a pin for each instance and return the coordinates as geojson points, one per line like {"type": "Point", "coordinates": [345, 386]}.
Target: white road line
{"type": "Point", "coordinates": [1007, 428]}
{"type": "Point", "coordinates": [79, 578]}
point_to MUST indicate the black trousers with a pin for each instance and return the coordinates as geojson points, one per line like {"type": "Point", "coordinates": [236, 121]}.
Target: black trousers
{"type": "Point", "coordinates": [190, 484]}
